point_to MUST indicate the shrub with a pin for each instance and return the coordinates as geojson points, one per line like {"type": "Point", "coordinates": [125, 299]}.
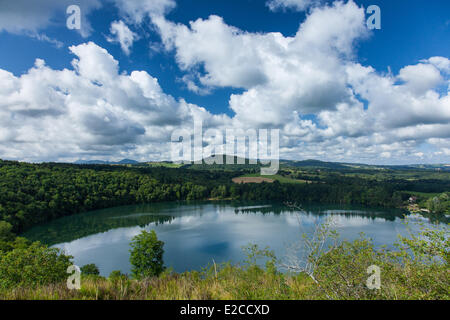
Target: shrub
{"type": "Point", "coordinates": [32, 266]}
{"type": "Point", "coordinates": [90, 269]}
{"type": "Point", "coordinates": [117, 275]}
{"type": "Point", "coordinates": [417, 268]}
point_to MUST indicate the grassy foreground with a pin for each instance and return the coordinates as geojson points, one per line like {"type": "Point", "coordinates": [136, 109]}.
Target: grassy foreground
{"type": "Point", "coordinates": [230, 283]}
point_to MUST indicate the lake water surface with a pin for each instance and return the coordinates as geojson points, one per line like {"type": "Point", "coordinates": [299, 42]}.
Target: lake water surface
{"type": "Point", "coordinates": [196, 233]}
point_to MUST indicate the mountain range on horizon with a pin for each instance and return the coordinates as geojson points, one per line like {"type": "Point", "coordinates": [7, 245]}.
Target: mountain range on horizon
{"type": "Point", "coordinates": [123, 161]}
{"type": "Point", "coordinates": [294, 163]}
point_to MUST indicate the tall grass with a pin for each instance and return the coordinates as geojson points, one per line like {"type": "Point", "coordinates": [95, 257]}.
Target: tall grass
{"type": "Point", "coordinates": [224, 283]}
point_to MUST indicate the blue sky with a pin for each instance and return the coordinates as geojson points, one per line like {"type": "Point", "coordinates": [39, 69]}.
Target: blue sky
{"type": "Point", "coordinates": [411, 33]}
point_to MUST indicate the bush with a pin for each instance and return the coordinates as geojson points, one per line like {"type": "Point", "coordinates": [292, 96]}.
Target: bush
{"type": "Point", "coordinates": [416, 269]}
{"type": "Point", "coordinates": [146, 255]}
{"type": "Point", "coordinates": [17, 243]}
{"type": "Point", "coordinates": [32, 266]}
{"type": "Point", "coordinates": [342, 272]}
{"type": "Point", "coordinates": [90, 269]}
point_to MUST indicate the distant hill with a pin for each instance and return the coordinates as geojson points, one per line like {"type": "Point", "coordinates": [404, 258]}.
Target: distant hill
{"type": "Point", "coordinates": [124, 161]}
{"type": "Point", "coordinates": [127, 161]}
{"type": "Point", "coordinates": [318, 164]}
{"type": "Point", "coordinates": [313, 164]}
{"type": "Point", "coordinates": [309, 163]}
{"type": "Point", "coordinates": [343, 165]}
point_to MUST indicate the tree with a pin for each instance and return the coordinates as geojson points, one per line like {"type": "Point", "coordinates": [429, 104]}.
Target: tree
{"type": "Point", "coordinates": [5, 231]}
{"type": "Point", "coordinates": [146, 255]}
{"type": "Point", "coordinates": [90, 269]}
{"type": "Point", "coordinates": [435, 205]}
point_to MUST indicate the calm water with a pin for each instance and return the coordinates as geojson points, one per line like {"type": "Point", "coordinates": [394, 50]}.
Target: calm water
{"type": "Point", "coordinates": [194, 234]}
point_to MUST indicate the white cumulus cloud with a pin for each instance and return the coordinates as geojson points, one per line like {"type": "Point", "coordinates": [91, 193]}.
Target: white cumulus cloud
{"type": "Point", "coordinates": [90, 111]}
{"type": "Point", "coordinates": [311, 86]}
{"type": "Point", "coordinates": [31, 17]}
{"type": "Point", "coordinates": [120, 33]}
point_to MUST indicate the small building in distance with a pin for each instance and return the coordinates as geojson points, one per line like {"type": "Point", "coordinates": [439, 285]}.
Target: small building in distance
{"type": "Point", "coordinates": [412, 199]}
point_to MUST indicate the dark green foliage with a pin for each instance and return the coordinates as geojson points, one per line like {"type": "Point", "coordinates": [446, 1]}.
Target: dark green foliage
{"type": "Point", "coordinates": [5, 231]}
{"type": "Point", "coordinates": [16, 243]}
{"type": "Point", "coordinates": [146, 255]}
{"type": "Point", "coordinates": [90, 269]}
{"type": "Point", "coordinates": [36, 193]}
{"type": "Point", "coordinates": [32, 265]}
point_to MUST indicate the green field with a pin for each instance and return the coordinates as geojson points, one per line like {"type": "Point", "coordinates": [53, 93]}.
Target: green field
{"type": "Point", "coordinates": [163, 164]}
{"type": "Point", "coordinates": [276, 177]}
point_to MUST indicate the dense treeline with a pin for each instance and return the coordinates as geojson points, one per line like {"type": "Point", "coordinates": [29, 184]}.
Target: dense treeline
{"type": "Point", "coordinates": [35, 193]}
